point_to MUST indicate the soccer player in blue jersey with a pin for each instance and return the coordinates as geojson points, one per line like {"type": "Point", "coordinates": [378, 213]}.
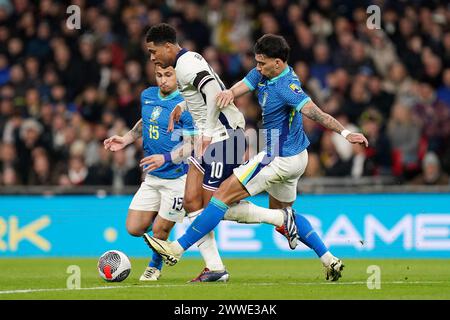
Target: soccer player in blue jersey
{"type": "Point", "coordinates": [159, 201]}
{"type": "Point", "coordinates": [276, 169]}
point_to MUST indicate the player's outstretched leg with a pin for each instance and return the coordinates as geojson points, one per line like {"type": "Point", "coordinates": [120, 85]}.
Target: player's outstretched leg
{"type": "Point", "coordinates": [333, 266]}
{"type": "Point", "coordinates": [247, 212]}
{"type": "Point", "coordinates": [171, 252]}
{"type": "Point", "coordinates": [153, 270]}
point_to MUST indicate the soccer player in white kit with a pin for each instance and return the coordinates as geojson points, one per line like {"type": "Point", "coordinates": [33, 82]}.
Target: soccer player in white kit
{"type": "Point", "coordinates": [222, 141]}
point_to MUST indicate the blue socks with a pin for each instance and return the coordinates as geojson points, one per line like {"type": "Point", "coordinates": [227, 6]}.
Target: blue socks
{"type": "Point", "coordinates": [216, 209]}
{"type": "Point", "coordinates": [204, 223]}
{"type": "Point", "coordinates": [308, 236]}
{"type": "Point", "coordinates": [156, 261]}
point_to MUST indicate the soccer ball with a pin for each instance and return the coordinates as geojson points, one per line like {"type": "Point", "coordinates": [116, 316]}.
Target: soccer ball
{"type": "Point", "coordinates": [114, 266]}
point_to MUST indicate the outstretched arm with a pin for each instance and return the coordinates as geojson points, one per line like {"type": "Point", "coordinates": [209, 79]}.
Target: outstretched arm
{"type": "Point", "coordinates": [116, 143]}
{"type": "Point", "coordinates": [226, 97]}
{"type": "Point", "coordinates": [155, 161]}
{"type": "Point", "coordinates": [312, 111]}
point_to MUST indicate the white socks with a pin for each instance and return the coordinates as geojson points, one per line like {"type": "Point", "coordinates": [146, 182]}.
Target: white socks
{"type": "Point", "coordinates": [247, 212]}
{"type": "Point", "coordinates": [326, 258]}
{"type": "Point", "coordinates": [207, 246]}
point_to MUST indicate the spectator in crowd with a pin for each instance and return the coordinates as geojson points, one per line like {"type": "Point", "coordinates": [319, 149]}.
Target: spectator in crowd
{"type": "Point", "coordinates": [431, 172]}
{"type": "Point", "coordinates": [77, 171]}
{"type": "Point", "coordinates": [322, 63]}
{"type": "Point", "coordinates": [381, 51]}
{"type": "Point", "coordinates": [372, 125]}
{"type": "Point", "coordinates": [232, 28]}
{"type": "Point", "coordinates": [8, 157]}
{"type": "Point", "coordinates": [443, 92]}
{"type": "Point", "coordinates": [100, 173]}
{"type": "Point", "coordinates": [404, 134]}
{"type": "Point", "coordinates": [398, 82]}
{"type": "Point", "coordinates": [332, 163]}
{"type": "Point", "coordinates": [434, 117]}
{"type": "Point", "coordinates": [357, 101]}
{"type": "Point", "coordinates": [122, 174]}
{"type": "Point", "coordinates": [379, 97]}
{"type": "Point", "coordinates": [41, 172]}
{"type": "Point", "coordinates": [302, 46]}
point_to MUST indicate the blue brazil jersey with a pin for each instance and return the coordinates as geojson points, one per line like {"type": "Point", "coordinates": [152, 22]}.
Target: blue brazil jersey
{"type": "Point", "coordinates": [281, 100]}
{"type": "Point", "coordinates": [155, 138]}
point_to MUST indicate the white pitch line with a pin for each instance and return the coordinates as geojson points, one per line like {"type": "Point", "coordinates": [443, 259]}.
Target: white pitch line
{"type": "Point", "coordinates": [365, 283]}
{"type": "Point", "coordinates": [192, 285]}
{"type": "Point", "coordinates": [90, 288]}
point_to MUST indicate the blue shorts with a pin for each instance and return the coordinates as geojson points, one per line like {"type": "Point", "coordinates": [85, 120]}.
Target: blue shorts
{"type": "Point", "coordinates": [220, 159]}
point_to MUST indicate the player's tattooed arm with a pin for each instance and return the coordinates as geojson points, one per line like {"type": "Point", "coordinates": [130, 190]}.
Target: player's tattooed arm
{"type": "Point", "coordinates": [136, 132]}
{"type": "Point", "coordinates": [116, 143]}
{"type": "Point", "coordinates": [314, 113]}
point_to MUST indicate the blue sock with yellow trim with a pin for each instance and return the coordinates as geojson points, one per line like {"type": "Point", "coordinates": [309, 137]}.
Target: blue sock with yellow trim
{"type": "Point", "coordinates": [204, 223]}
{"type": "Point", "coordinates": [309, 236]}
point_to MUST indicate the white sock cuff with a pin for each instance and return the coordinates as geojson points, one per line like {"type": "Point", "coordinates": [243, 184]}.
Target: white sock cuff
{"type": "Point", "coordinates": [194, 214]}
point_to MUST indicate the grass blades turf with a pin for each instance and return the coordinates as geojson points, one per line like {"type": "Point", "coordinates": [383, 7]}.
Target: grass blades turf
{"type": "Point", "coordinates": [250, 279]}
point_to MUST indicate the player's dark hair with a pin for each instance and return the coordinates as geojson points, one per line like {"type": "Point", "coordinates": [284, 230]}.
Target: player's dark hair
{"type": "Point", "coordinates": [161, 33]}
{"type": "Point", "coordinates": [273, 46]}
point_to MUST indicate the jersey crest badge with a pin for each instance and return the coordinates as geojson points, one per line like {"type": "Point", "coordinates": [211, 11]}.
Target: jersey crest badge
{"type": "Point", "coordinates": [155, 114]}
{"type": "Point", "coordinates": [295, 88]}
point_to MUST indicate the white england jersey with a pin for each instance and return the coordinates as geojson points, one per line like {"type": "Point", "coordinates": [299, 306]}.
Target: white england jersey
{"type": "Point", "coordinates": [193, 72]}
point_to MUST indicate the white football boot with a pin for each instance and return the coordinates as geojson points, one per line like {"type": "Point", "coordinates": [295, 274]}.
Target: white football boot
{"type": "Point", "coordinates": [150, 274]}
{"type": "Point", "coordinates": [165, 248]}
{"type": "Point", "coordinates": [334, 270]}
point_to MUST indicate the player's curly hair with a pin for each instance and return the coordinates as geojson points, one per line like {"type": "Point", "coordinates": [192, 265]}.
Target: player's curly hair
{"type": "Point", "coordinates": [161, 33]}
{"type": "Point", "coordinates": [273, 46]}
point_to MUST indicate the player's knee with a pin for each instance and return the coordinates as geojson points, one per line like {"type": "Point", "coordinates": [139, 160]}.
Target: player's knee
{"type": "Point", "coordinates": [135, 231]}
{"type": "Point", "coordinates": [223, 193]}
{"type": "Point", "coordinates": [192, 204]}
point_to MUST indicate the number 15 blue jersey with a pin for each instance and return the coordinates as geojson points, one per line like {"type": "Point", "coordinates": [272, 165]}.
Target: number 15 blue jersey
{"type": "Point", "coordinates": [155, 110]}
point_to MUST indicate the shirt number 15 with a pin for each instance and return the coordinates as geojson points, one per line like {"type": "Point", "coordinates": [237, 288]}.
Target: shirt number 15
{"type": "Point", "coordinates": [153, 132]}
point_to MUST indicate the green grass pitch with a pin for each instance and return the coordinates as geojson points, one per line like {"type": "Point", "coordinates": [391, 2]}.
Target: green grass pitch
{"type": "Point", "coordinates": [250, 279]}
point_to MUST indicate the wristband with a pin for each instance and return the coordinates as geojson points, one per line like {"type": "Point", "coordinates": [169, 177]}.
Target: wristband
{"type": "Point", "coordinates": [167, 157]}
{"type": "Point", "coordinates": [345, 133]}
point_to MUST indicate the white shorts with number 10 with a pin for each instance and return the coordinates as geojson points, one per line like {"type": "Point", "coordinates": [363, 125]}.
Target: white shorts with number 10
{"type": "Point", "coordinates": [278, 177]}
{"type": "Point", "coordinates": [164, 196]}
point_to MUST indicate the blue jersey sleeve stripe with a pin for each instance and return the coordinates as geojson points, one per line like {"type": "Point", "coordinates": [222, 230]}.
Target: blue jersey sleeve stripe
{"type": "Point", "coordinates": [248, 84]}
{"type": "Point", "coordinates": [302, 104]}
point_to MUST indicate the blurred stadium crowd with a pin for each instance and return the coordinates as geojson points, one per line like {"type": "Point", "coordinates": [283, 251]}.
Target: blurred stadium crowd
{"type": "Point", "coordinates": [64, 91]}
